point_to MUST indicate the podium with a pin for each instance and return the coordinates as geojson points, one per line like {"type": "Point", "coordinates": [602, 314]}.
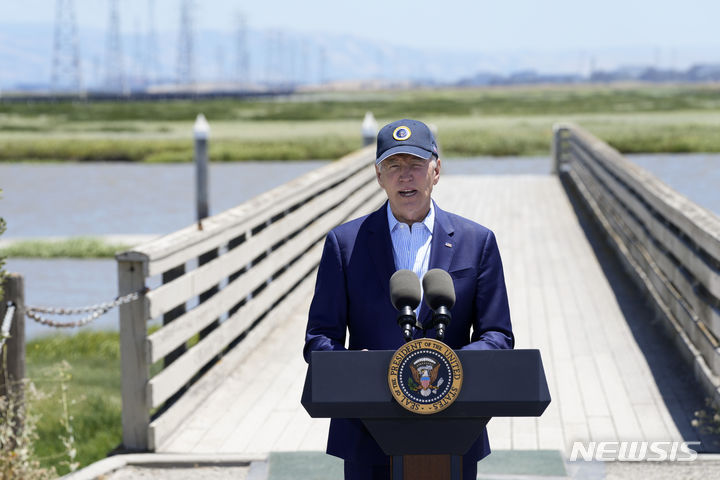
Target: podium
{"type": "Point", "coordinates": [497, 383]}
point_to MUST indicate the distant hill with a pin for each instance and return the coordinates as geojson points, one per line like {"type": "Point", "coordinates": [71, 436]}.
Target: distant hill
{"type": "Point", "coordinates": [291, 58]}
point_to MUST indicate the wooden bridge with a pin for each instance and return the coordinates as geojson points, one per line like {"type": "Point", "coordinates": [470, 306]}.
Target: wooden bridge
{"type": "Point", "coordinates": [612, 275]}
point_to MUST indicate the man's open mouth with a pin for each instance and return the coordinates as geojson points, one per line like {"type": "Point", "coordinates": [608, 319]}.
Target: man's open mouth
{"type": "Point", "coordinates": [407, 193]}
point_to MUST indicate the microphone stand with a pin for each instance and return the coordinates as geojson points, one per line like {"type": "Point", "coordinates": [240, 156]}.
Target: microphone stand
{"type": "Point", "coordinates": [407, 320]}
{"type": "Point", "coordinates": [441, 319]}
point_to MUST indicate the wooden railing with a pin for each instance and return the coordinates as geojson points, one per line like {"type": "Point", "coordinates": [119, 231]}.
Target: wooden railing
{"type": "Point", "coordinates": [670, 245]}
{"type": "Point", "coordinates": [220, 289]}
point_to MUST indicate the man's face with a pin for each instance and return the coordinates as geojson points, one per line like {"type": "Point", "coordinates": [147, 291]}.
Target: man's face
{"type": "Point", "coordinates": [408, 182]}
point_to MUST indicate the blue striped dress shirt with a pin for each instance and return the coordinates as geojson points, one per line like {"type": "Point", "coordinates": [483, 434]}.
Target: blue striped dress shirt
{"type": "Point", "coordinates": [411, 247]}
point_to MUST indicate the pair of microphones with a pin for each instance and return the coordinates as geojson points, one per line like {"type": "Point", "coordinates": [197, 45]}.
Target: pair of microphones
{"type": "Point", "coordinates": [405, 295]}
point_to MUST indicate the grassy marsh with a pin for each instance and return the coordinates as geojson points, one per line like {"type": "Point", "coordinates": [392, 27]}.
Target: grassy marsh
{"type": "Point", "coordinates": [76, 247]}
{"type": "Point", "coordinates": [93, 393]}
{"type": "Point", "coordinates": [472, 121]}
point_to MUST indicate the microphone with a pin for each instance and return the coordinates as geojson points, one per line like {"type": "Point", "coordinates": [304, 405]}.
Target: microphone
{"type": "Point", "coordinates": [405, 296]}
{"type": "Point", "coordinates": [440, 297]}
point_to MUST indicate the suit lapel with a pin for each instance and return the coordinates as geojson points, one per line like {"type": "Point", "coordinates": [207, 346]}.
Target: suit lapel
{"type": "Point", "coordinates": [380, 247]}
{"type": "Point", "coordinates": [441, 251]}
{"type": "Point", "coordinates": [443, 241]}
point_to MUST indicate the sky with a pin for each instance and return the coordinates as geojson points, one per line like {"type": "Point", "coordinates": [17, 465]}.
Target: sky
{"type": "Point", "coordinates": [491, 26]}
{"type": "Point", "coordinates": [441, 40]}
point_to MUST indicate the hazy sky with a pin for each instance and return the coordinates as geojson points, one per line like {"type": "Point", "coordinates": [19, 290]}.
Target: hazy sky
{"type": "Point", "coordinates": [469, 25]}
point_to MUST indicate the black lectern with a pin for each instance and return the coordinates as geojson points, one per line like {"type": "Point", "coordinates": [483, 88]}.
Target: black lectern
{"type": "Point", "coordinates": [497, 383]}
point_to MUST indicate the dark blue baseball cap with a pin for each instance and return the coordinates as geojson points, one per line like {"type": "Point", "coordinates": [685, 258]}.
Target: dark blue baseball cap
{"type": "Point", "coordinates": [405, 136]}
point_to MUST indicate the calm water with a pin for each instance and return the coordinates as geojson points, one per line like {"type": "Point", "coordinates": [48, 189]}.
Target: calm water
{"type": "Point", "coordinates": [97, 199]}
{"type": "Point", "coordinates": [67, 283]}
{"type": "Point", "coordinates": [697, 175]}
{"type": "Point", "coordinates": [497, 166]}
{"type": "Point", "coordinates": [49, 200]}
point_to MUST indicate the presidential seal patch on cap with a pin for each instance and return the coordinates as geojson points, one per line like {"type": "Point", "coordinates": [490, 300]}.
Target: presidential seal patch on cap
{"type": "Point", "coordinates": [402, 133]}
{"type": "Point", "coordinates": [425, 376]}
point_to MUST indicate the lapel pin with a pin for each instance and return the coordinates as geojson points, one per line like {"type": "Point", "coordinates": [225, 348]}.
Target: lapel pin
{"type": "Point", "coordinates": [448, 244]}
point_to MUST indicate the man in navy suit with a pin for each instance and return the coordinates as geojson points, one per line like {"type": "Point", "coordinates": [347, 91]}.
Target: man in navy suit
{"type": "Point", "coordinates": [352, 296]}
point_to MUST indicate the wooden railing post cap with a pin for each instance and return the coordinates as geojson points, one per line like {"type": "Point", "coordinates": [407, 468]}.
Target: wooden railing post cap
{"type": "Point", "coordinates": [560, 126]}
{"type": "Point", "coordinates": [201, 129]}
{"type": "Point", "coordinates": [369, 125]}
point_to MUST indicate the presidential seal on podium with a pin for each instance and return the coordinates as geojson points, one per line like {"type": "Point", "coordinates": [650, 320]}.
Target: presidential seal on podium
{"type": "Point", "coordinates": [425, 376]}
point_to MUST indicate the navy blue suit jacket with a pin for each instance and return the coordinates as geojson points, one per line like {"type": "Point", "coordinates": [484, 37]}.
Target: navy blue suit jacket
{"type": "Point", "coordinates": [352, 294]}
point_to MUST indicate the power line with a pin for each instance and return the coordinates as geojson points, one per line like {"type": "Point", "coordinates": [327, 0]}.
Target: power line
{"type": "Point", "coordinates": [66, 71]}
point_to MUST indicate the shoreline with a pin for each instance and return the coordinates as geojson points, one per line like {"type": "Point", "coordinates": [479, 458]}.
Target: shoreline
{"type": "Point", "coordinates": [112, 238]}
{"type": "Point", "coordinates": [73, 247]}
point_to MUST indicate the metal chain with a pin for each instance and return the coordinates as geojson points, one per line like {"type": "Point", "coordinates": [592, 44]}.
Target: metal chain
{"type": "Point", "coordinates": [95, 311]}
{"type": "Point", "coordinates": [5, 328]}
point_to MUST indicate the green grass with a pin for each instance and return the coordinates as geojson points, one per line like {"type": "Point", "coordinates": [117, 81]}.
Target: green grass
{"type": "Point", "coordinates": [78, 247]}
{"type": "Point", "coordinates": [650, 132]}
{"type": "Point", "coordinates": [174, 150]}
{"type": "Point", "coordinates": [93, 392]}
{"type": "Point", "coordinates": [386, 104]}
{"type": "Point", "coordinates": [473, 121]}
{"type": "Point", "coordinates": [458, 136]}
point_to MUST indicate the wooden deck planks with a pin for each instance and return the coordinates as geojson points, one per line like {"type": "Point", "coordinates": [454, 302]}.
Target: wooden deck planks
{"type": "Point", "coordinates": [561, 302]}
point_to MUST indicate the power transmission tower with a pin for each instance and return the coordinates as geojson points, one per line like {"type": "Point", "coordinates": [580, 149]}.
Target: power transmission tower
{"type": "Point", "coordinates": [220, 75]}
{"type": "Point", "coordinates": [303, 75]}
{"type": "Point", "coordinates": [114, 70]}
{"type": "Point", "coordinates": [281, 58]}
{"type": "Point", "coordinates": [139, 77]}
{"type": "Point", "coordinates": [66, 71]}
{"type": "Point", "coordinates": [270, 64]}
{"type": "Point", "coordinates": [151, 57]}
{"type": "Point", "coordinates": [291, 60]}
{"type": "Point", "coordinates": [322, 65]}
{"type": "Point", "coordinates": [185, 65]}
{"type": "Point", "coordinates": [242, 59]}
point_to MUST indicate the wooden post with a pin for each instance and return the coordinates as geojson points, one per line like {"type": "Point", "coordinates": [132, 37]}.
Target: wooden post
{"type": "Point", "coordinates": [369, 129]}
{"type": "Point", "coordinates": [201, 131]}
{"type": "Point", "coordinates": [133, 356]}
{"type": "Point", "coordinates": [14, 349]}
{"type": "Point", "coordinates": [558, 147]}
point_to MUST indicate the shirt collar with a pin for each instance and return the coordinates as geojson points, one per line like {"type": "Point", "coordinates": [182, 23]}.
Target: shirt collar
{"type": "Point", "coordinates": [429, 220]}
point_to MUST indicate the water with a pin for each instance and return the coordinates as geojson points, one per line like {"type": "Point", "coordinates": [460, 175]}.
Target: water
{"type": "Point", "coordinates": [497, 166]}
{"type": "Point", "coordinates": [67, 283]}
{"type": "Point", "coordinates": [99, 199]}
{"type": "Point", "coordinates": [695, 175]}
{"type": "Point", "coordinates": [85, 199]}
